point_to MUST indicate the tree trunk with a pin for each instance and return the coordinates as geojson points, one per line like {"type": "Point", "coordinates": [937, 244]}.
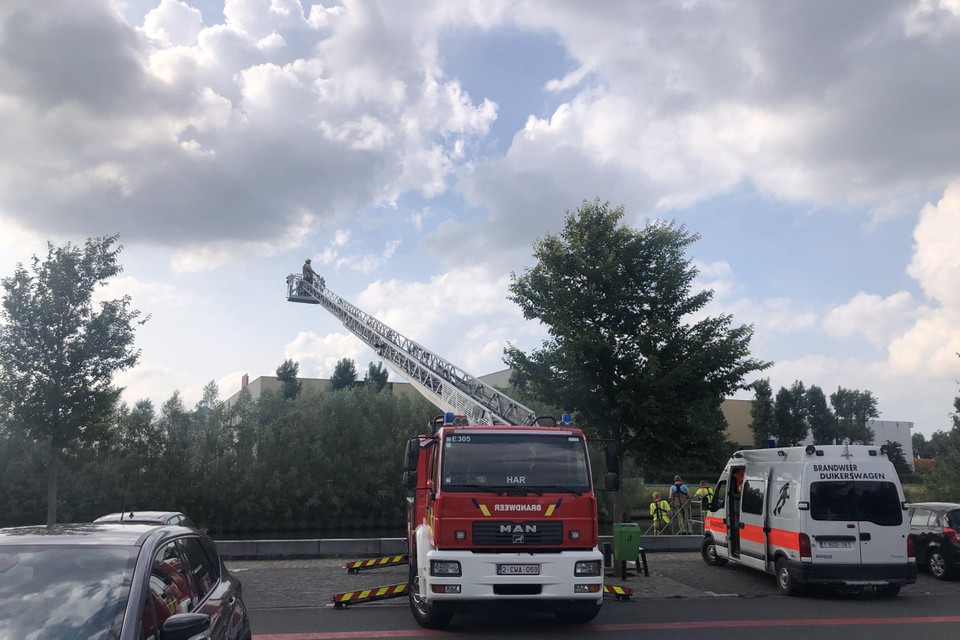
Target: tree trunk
{"type": "Point", "coordinates": [619, 514]}
{"type": "Point", "coordinates": [52, 466]}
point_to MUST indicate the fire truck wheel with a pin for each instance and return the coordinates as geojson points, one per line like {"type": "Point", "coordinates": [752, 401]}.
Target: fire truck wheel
{"type": "Point", "coordinates": [427, 615]}
{"type": "Point", "coordinates": [785, 582]}
{"type": "Point", "coordinates": [709, 552]}
{"type": "Point", "coordinates": [579, 613]}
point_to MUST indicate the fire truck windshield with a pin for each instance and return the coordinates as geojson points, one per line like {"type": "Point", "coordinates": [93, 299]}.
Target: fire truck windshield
{"type": "Point", "coordinates": [534, 463]}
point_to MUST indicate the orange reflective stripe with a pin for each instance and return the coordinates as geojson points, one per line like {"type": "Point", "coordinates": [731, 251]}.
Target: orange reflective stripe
{"type": "Point", "coordinates": [752, 533]}
{"type": "Point", "coordinates": [785, 539]}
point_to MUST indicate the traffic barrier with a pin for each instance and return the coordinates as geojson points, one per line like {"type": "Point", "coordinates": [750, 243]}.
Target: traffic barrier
{"type": "Point", "coordinates": [616, 591]}
{"type": "Point", "coordinates": [342, 600]}
{"type": "Point", "coordinates": [376, 563]}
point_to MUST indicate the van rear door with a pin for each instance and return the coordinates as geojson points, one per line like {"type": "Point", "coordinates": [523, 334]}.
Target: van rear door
{"type": "Point", "coordinates": [834, 523]}
{"type": "Point", "coordinates": [883, 533]}
{"type": "Point", "coordinates": [857, 522]}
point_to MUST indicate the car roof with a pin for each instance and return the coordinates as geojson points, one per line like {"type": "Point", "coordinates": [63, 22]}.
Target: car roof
{"type": "Point", "coordinates": [141, 516]}
{"type": "Point", "coordinates": [82, 534]}
{"type": "Point", "coordinates": [936, 505]}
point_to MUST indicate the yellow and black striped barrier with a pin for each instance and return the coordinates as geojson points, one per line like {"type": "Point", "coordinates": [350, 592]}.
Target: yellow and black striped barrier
{"type": "Point", "coordinates": [341, 600]}
{"type": "Point", "coordinates": [616, 591]}
{"type": "Point", "coordinates": [376, 563]}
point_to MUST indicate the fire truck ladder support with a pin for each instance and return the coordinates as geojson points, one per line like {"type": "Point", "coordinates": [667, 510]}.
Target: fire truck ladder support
{"type": "Point", "coordinates": [442, 383]}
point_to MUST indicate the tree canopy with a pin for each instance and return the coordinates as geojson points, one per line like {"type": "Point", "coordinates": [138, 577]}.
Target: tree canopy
{"type": "Point", "coordinates": [344, 374]}
{"type": "Point", "coordinates": [287, 376]}
{"type": "Point", "coordinates": [60, 349]}
{"type": "Point", "coordinates": [630, 351]}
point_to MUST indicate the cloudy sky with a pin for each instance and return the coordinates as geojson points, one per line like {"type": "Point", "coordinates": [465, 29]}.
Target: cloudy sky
{"type": "Point", "coordinates": [415, 150]}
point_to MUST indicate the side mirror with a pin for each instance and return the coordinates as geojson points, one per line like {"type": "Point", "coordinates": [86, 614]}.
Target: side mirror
{"type": "Point", "coordinates": [409, 480]}
{"type": "Point", "coordinates": [610, 453]}
{"type": "Point", "coordinates": [184, 626]}
{"type": "Point", "coordinates": [412, 455]}
{"type": "Point", "coordinates": [612, 482]}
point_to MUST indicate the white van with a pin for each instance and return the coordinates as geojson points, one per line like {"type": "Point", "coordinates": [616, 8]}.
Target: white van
{"type": "Point", "coordinates": [832, 514]}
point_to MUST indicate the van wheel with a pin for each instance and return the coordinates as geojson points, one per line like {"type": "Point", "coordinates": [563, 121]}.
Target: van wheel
{"type": "Point", "coordinates": [709, 552]}
{"type": "Point", "coordinates": [785, 582]}
{"type": "Point", "coordinates": [579, 614]}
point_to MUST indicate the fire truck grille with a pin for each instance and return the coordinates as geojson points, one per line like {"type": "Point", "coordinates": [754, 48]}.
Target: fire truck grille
{"type": "Point", "coordinates": [537, 533]}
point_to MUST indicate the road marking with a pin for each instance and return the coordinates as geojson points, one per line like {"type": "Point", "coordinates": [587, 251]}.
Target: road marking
{"type": "Point", "coordinates": [638, 626]}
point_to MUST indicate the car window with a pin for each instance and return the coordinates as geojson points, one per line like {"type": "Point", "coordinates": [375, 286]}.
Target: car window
{"type": "Point", "coordinates": [63, 592]}
{"type": "Point", "coordinates": [920, 518]}
{"type": "Point", "coordinates": [200, 566]}
{"type": "Point", "coordinates": [864, 500]}
{"type": "Point", "coordinates": [936, 519]}
{"type": "Point", "coordinates": [720, 496]}
{"type": "Point", "coordinates": [953, 519]}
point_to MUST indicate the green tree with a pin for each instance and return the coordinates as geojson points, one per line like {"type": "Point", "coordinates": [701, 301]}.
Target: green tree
{"type": "Point", "coordinates": [898, 458]}
{"type": "Point", "coordinates": [762, 422]}
{"type": "Point", "coordinates": [822, 422]}
{"type": "Point", "coordinates": [59, 350]}
{"type": "Point", "coordinates": [626, 352]}
{"type": "Point", "coordinates": [854, 409]}
{"type": "Point", "coordinates": [344, 374]}
{"type": "Point", "coordinates": [376, 377]}
{"type": "Point", "coordinates": [790, 413]}
{"type": "Point", "coordinates": [287, 375]}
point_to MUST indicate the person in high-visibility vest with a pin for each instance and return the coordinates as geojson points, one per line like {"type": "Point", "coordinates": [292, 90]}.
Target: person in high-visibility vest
{"type": "Point", "coordinates": [705, 493]}
{"type": "Point", "coordinates": [660, 510]}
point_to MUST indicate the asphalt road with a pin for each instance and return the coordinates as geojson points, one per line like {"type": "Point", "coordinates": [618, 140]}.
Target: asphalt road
{"type": "Point", "coordinates": [290, 600]}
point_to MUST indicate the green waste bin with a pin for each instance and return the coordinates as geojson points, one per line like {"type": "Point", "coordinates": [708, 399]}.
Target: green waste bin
{"type": "Point", "coordinates": [626, 541]}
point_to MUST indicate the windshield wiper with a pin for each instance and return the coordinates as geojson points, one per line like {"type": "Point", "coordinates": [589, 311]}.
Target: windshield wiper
{"type": "Point", "coordinates": [540, 489]}
{"type": "Point", "coordinates": [477, 487]}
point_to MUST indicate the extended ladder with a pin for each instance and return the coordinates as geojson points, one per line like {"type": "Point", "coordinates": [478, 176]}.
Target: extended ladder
{"type": "Point", "coordinates": [442, 383]}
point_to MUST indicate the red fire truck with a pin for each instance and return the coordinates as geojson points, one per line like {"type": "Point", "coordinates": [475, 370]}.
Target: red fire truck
{"type": "Point", "coordinates": [499, 513]}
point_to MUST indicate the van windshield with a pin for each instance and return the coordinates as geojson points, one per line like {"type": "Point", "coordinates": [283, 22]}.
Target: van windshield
{"type": "Point", "coordinates": [848, 500]}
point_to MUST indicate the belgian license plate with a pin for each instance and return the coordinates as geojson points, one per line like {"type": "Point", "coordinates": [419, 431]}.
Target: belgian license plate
{"type": "Point", "coordinates": [834, 544]}
{"type": "Point", "coordinates": [518, 569]}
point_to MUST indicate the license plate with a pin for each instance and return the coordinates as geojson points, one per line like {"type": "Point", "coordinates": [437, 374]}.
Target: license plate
{"type": "Point", "coordinates": [518, 569]}
{"type": "Point", "coordinates": [834, 544]}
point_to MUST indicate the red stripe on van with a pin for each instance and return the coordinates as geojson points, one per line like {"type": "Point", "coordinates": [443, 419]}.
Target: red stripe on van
{"type": "Point", "coordinates": [777, 537]}
{"type": "Point", "coordinates": [715, 524]}
{"type": "Point", "coordinates": [785, 539]}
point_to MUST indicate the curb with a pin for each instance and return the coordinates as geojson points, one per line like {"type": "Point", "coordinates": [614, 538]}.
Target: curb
{"type": "Point", "coordinates": [374, 547]}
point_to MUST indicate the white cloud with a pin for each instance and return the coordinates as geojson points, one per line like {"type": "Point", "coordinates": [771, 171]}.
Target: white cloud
{"type": "Point", "coordinates": [875, 318]}
{"type": "Point", "coordinates": [174, 23]}
{"type": "Point", "coordinates": [936, 258]}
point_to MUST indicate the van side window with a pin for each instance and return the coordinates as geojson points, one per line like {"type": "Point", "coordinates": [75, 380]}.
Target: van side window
{"type": "Point", "coordinates": [752, 500]}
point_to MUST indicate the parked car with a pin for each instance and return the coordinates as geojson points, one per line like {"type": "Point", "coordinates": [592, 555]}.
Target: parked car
{"type": "Point", "coordinates": [117, 582]}
{"type": "Point", "coordinates": [149, 517]}
{"type": "Point", "coordinates": [935, 530]}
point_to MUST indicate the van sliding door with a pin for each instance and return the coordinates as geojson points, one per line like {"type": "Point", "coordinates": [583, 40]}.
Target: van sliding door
{"type": "Point", "coordinates": [753, 522]}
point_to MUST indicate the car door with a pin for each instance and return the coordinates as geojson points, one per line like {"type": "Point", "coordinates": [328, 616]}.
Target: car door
{"type": "Point", "coordinates": [920, 530]}
{"type": "Point", "coordinates": [211, 595]}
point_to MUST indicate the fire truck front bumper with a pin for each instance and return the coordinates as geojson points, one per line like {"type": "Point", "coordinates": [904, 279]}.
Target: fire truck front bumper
{"type": "Point", "coordinates": [453, 576]}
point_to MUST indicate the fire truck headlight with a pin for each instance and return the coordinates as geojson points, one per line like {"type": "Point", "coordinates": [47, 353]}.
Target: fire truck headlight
{"type": "Point", "coordinates": [444, 568]}
{"type": "Point", "coordinates": [587, 568]}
